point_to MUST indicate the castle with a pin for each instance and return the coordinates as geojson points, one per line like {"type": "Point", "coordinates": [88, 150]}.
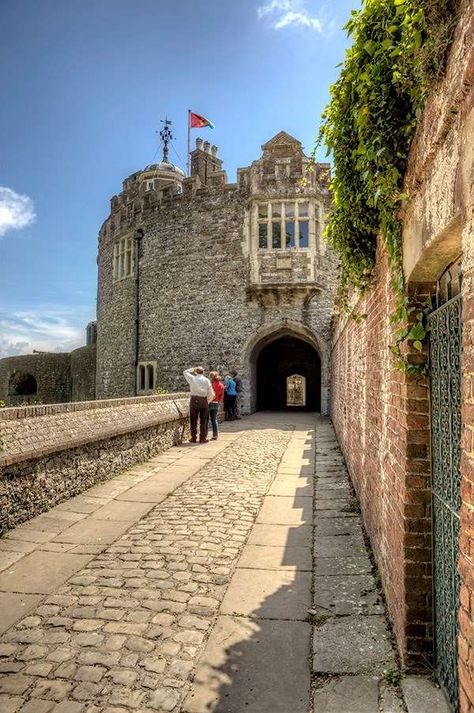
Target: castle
{"type": "Point", "coordinates": [196, 270]}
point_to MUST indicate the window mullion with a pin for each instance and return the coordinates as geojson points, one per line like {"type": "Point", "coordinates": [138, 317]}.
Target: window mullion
{"type": "Point", "coordinates": [282, 227]}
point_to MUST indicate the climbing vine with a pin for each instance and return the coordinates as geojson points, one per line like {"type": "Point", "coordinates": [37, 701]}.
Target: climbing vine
{"type": "Point", "coordinates": [398, 52]}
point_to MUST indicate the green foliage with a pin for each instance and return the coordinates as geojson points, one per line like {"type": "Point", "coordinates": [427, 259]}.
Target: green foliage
{"type": "Point", "coordinates": [398, 51]}
{"type": "Point", "coordinates": [393, 676]}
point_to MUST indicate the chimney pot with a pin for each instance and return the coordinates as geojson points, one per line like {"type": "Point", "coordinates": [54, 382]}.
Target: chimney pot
{"type": "Point", "coordinates": [214, 150]}
{"type": "Point", "coordinates": [198, 143]}
{"type": "Point", "coordinates": [206, 146]}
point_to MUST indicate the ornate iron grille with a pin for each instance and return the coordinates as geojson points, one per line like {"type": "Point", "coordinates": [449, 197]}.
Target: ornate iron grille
{"type": "Point", "coordinates": [444, 325]}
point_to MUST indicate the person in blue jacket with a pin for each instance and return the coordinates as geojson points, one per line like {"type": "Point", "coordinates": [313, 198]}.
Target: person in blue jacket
{"type": "Point", "coordinates": [230, 398]}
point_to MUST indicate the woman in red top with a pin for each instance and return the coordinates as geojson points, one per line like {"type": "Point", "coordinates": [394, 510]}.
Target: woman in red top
{"type": "Point", "coordinates": [218, 387]}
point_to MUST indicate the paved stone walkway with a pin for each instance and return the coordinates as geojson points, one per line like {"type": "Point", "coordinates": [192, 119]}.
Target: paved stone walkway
{"type": "Point", "coordinates": [186, 584]}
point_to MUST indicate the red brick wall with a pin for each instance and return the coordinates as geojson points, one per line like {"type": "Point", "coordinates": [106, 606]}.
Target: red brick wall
{"type": "Point", "coordinates": [466, 545]}
{"type": "Point", "coordinates": [381, 418]}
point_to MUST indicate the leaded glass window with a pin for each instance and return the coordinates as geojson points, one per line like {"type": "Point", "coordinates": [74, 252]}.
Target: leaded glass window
{"type": "Point", "coordinates": [123, 259]}
{"type": "Point", "coordinates": [283, 225]}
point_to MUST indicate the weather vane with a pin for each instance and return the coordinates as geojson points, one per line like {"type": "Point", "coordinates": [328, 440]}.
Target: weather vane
{"type": "Point", "coordinates": [166, 136]}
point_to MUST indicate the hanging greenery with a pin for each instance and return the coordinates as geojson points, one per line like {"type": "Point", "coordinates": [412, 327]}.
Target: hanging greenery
{"type": "Point", "coordinates": [399, 50]}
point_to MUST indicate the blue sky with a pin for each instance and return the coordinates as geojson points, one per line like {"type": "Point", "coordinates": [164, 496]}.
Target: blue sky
{"type": "Point", "coordinates": [83, 88]}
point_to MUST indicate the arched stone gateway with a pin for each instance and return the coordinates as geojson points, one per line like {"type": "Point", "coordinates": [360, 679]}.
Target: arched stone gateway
{"type": "Point", "coordinates": [276, 363]}
{"type": "Point", "coordinates": [21, 384]}
{"type": "Point", "coordinates": [279, 354]}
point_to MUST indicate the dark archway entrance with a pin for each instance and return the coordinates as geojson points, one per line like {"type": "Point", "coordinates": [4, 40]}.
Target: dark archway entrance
{"type": "Point", "coordinates": [276, 363]}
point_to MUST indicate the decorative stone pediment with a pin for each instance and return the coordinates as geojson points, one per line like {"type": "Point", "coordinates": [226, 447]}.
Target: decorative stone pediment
{"type": "Point", "coordinates": [282, 145]}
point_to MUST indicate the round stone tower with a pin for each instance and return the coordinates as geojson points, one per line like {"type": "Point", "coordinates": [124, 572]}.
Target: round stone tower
{"type": "Point", "coordinates": [194, 270]}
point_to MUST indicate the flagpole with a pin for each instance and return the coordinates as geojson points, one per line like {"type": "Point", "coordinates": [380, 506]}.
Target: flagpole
{"type": "Point", "coordinates": [189, 143]}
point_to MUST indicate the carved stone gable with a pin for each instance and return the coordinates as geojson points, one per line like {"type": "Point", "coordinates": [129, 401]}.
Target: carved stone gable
{"type": "Point", "coordinates": [282, 145]}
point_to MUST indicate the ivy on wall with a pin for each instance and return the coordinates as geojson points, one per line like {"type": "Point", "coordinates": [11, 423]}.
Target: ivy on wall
{"type": "Point", "coordinates": [398, 52]}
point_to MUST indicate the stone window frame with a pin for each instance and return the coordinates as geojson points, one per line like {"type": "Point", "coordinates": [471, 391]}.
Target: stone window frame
{"type": "Point", "coordinates": [311, 219]}
{"type": "Point", "coordinates": [146, 377]}
{"type": "Point", "coordinates": [150, 184]}
{"type": "Point", "coordinates": [123, 259]}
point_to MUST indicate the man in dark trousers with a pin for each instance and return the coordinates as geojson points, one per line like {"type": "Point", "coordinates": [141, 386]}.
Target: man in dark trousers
{"type": "Point", "coordinates": [239, 388]}
{"type": "Point", "coordinates": [202, 394]}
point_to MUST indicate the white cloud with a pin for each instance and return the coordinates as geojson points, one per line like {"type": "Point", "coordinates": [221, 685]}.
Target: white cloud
{"type": "Point", "coordinates": [285, 13]}
{"type": "Point", "coordinates": [275, 6]}
{"type": "Point", "coordinates": [47, 329]}
{"type": "Point", "coordinates": [299, 18]}
{"type": "Point", "coordinates": [16, 210]}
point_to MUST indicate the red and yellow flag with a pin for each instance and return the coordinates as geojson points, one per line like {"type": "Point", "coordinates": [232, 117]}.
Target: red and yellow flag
{"type": "Point", "coordinates": [199, 122]}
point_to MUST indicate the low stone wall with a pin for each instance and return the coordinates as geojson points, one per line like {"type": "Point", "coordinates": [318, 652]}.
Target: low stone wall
{"type": "Point", "coordinates": [53, 452]}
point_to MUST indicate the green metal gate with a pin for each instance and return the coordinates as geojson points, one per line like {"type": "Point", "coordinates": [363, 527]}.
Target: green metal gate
{"type": "Point", "coordinates": [444, 324]}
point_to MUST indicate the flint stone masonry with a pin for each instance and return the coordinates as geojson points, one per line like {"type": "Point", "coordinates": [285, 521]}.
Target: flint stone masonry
{"type": "Point", "coordinates": [59, 377]}
{"type": "Point", "coordinates": [51, 453]}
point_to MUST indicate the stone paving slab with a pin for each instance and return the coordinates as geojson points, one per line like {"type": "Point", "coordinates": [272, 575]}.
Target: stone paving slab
{"type": "Point", "coordinates": [342, 595]}
{"type": "Point", "coordinates": [348, 694]}
{"type": "Point", "coordinates": [41, 572]}
{"type": "Point", "coordinates": [286, 511]}
{"type": "Point", "coordinates": [81, 504]}
{"type": "Point", "coordinates": [329, 491]}
{"type": "Point", "coordinates": [291, 488]}
{"type": "Point", "coordinates": [14, 606]}
{"type": "Point", "coordinates": [27, 534]}
{"type": "Point", "coordinates": [122, 511]}
{"type": "Point", "coordinates": [339, 545]}
{"type": "Point", "coordinates": [338, 526]}
{"type": "Point", "coordinates": [141, 494]}
{"type": "Point", "coordinates": [347, 565]}
{"type": "Point", "coordinates": [144, 495]}
{"type": "Point", "coordinates": [287, 536]}
{"type": "Point", "coordinates": [95, 532]}
{"type": "Point", "coordinates": [253, 666]}
{"type": "Point", "coordinates": [300, 470]}
{"type": "Point", "coordinates": [353, 644]}
{"type": "Point", "coordinates": [7, 558]}
{"type": "Point", "coordinates": [268, 594]}
{"type": "Point", "coordinates": [421, 695]}
{"type": "Point", "coordinates": [344, 504]}
{"type": "Point", "coordinates": [288, 558]}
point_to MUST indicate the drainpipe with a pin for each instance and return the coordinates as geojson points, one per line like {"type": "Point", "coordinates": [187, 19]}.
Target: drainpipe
{"type": "Point", "coordinates": [137, 241]}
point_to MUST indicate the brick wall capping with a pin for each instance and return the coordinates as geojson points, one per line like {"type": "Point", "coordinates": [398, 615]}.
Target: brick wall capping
{"type": "Point", "coordinates": [17, 412]}
{"type": "Point", "coordinates": [95, 436]}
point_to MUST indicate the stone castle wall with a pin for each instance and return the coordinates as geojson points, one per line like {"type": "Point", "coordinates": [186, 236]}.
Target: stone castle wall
{"type": "Point", "coordinates": [50, 453]}
{"type": "Point", "coordinates": [381, 416]}
{"type": "Point", "coordinates": [59, 377]}
{"type": "Point", "coordinates": [82, 366]}
{"type": "Point", "coordinates": [52, 374]}
{"type": "Point", "coordinates": [205, 296]}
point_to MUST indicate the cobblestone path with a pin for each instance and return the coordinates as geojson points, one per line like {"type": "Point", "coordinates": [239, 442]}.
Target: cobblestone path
{"type": "Point", "coordinates": [125, 632]}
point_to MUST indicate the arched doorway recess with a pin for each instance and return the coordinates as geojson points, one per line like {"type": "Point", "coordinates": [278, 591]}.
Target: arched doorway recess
{"type": "Point", "coordinates": [278, 360]}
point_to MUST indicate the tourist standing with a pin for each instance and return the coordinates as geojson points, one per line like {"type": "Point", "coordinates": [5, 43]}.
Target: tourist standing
{"type": "Point", "coordinates": [239, 389]}
{"type": "Point", "coordinates": [230, 397]}
{"type": "Point", "coordinates": [201, 395]}
{"type": "Point", "coordinates": [218, 388]}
